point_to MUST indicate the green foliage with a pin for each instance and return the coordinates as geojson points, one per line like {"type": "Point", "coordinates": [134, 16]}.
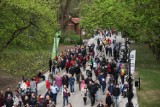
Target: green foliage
{"type": "Point", "coordinates": [136, 19]}
{"type": "Point", "coordinates": [73, 39]}
{"type": "Point", "coordinates": [70, 37]}
{"type": "Point", "coordinates": [27, 63]}
{"type": "Point", "coordinates": [38, 14]}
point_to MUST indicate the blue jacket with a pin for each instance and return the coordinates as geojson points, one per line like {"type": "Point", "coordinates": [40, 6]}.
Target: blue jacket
{"type": "Point", "coordinates": [71, 80]}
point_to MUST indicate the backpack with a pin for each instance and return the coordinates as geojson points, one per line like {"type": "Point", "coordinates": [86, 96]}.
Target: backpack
{"type": "Point", "coordinates": [122, 72]}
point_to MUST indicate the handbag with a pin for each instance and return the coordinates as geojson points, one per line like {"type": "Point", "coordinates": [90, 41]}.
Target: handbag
{"type": "Point", "coordinates": [68, 94]}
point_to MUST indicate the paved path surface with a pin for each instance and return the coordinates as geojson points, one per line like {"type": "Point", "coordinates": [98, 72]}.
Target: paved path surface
{"type": "Point", "coordinates": [76, 99]}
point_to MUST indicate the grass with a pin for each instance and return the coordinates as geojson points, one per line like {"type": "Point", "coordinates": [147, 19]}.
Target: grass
{"type": "Point", "coordinates": [16, 62]}
{"type": "Point", "coordinates": [149, 70]}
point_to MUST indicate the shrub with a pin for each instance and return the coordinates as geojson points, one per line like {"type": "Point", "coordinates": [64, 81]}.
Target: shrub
{"type": "Point", "coordinates": [69, 37]}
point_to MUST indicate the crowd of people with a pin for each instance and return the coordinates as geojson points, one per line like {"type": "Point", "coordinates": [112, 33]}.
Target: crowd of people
{"type": "Point", "coordinates": [82, 65]}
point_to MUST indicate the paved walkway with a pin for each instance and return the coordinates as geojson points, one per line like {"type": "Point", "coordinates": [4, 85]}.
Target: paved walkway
{"type": "Point", "coordinates": [76, 99]}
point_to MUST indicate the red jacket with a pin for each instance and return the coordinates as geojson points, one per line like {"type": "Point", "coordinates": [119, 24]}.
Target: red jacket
{"type": "Point", "coordinates": [68, 64]}
{"type": "Point", "coordinates": [27, 83]}
{"type": "Point", "coordinates": [47, 84]}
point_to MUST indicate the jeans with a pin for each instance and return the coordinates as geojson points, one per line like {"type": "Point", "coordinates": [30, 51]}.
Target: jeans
{"type": "Point", "coordinates": [54, 98]}
{"type": "Point", "coordinates": [116, 101]}
{"type": "Point", "coordinates": [72, 88]}
{"type": "Point", "coordinates": [53, 71]}
{"type": "Point", "coordinates": [65, 98]}
{"type": "Point", "coordinates": [60, 89]}
{"type": "Point", "coordinates": [103, 88]}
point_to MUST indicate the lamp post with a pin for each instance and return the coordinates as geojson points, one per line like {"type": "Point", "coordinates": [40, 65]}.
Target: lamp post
{"type": "Point", "coordinates": [130, 93]}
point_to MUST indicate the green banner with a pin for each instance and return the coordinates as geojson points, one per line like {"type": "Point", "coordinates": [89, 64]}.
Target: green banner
{"type": "Point", "coordinates": [55, 47]}
{"type": "Point", "coordinates": [54, 50]}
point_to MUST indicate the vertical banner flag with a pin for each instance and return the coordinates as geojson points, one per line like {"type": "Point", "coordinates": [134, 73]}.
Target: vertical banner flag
{"type": "Point", "coordinates": [55, 45]}
{"type": "Point", "coordinates": [133, 60]}
{"type": "Point", "coordinates": [54, 49]}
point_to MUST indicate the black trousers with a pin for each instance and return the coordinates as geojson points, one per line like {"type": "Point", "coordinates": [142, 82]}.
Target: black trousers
{"type": "Point", "coordinates": [92, 99]}
{"type": "Point", "coordinates": [49, 68]}
{"type": "Point", "coordinates": [122, 79]}
{"type": "Point", "coordinates": [84, 100]}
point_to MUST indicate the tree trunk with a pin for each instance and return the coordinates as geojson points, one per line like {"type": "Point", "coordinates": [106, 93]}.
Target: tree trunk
{"type": "Point", "coordinates": [153, 49]}
{"type": "Point", "coordinates": [157, 52]}
{"type": "Point", "coordinates": [64, 14]}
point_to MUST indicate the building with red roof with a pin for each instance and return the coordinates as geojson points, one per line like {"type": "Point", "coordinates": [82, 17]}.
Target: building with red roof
{"type": "Point", "coordinates": [73, 24]}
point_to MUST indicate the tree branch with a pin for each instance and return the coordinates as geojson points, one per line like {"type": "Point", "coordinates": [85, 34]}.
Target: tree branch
{"type": "Point", "coordinates": [14, 35]}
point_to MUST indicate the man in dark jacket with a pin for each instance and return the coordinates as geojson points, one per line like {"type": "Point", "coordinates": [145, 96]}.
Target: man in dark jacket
{"type": "Point", "coordinates": [116, 93]}
{"type": "Point", "coordinates": [77, 72]}
{"type": "Point", "coordinates": [33, 100]}
{"type": "Point", "coordinates": [9, 101]}
{"type": "Point", "coordinates": [8, 92]}
{"type": "Point", "coordinates": [109, 101]}
{"type": "Point", "coordinates": [71, 70]}
{"type": "Point", "coordinates": [49, 93]}
{"type": "Point", "coordinates": [65, 80]}
{"type": "Point", "coordinates": [93, 89]}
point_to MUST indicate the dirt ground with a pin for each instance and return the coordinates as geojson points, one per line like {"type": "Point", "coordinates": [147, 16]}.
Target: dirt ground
{"type": "Point", "coordinates": [8, 80]}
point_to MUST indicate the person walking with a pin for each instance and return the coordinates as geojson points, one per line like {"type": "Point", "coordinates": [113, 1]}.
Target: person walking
{"type": "Point", "coordinates": [67, 65]}
{"type": "Point", "coordinates": [17, 100]}
{"type": "Point", "coordinates": [110, 51]}
{"type": "Point", "coordinates": [92, 89]}
{"type": "Point", "coordinates": [33, 100]}
{"type": "Point", "coordinates": [66, 94]}
{"type": "Point", "coordinates": [65, 80]}
{"type": "Point", "coordinates": [71, 83]}
{"type": "Point", "coordinates": [8, 92]}
{"type": "Point", "coordinates": [33, 86]}
{"type": "Point", "coordinates": [116, 93]}
{"type": "Point", "coordinates": [58, 82]}
{"type": "Point", "coordinates": [77, 72]}
{"type": "Point", "coordinates": [84, 93]}
{"type": "Point", "coordinates": [50, 94]}
{"type": "Point", "coordinates": [9, 101]}
{"type": "Point", "coordinates": [54, 90]}
{"type": "Point", "coordinates": [103, 85]}
{"type": "Point", "coordinates": [122, 74]}
{"type": "Point", "coordinates": [109, 100]}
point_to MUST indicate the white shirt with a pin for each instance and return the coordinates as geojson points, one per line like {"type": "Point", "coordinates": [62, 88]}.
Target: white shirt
{"type": "Point", "coordinates": [53, 89]}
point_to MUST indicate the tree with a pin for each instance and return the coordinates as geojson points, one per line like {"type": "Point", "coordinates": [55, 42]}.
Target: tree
{"type": "Point", "coordinates": [26, 22]}
{"type": "Point", "coordinates": [137, 19]}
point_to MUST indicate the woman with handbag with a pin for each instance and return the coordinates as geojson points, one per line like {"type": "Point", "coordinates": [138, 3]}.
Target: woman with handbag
{"type": "Point", "coordinates": [66, 94]}
{"type": "Point", "coordinates": [84, 92]}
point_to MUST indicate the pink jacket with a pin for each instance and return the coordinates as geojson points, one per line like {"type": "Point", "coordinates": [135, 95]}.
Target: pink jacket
{"type": "Point", "coordinates": [82, 84]}
{"type": "Point", "coordinates": [58, 81]}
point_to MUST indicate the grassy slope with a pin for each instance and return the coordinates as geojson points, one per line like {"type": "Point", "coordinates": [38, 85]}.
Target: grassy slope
{"type": "Point", "coordinates": [17, 61]}
{"type": "Point", "coordinates": [149, 70]}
